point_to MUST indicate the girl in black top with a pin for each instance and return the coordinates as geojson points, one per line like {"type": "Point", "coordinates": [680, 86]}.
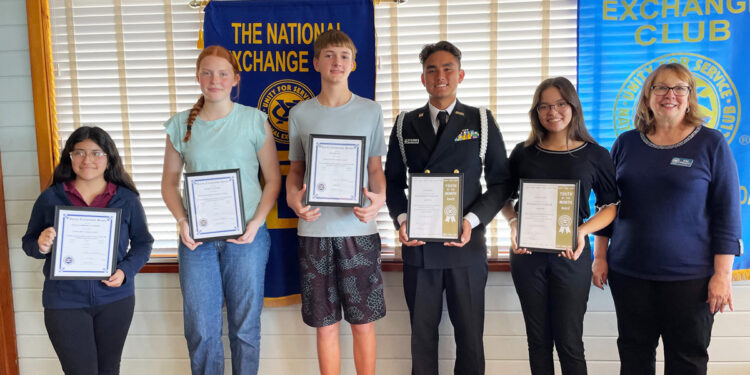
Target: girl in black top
{"type": "Point", "coordinates": [554, 288]}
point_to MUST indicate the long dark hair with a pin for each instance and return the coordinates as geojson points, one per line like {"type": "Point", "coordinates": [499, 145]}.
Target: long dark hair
{"type": "Point", "coordinates": [115, 172]}
{"type": "Point", "coordinates": [576, 129]}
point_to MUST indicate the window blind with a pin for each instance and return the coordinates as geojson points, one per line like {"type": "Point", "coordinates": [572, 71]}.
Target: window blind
{"type": "Point", "coordinates": [128, 66]}
{"type": "Point", "coordinates": [508, 48]}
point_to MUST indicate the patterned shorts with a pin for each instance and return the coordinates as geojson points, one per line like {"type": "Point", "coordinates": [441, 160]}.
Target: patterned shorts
{"type": "Point", "coordinates": [341, 272]}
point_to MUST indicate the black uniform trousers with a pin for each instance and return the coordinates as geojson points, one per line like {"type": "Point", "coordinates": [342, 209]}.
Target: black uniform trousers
{"type": "Point", "coordinates": [89, 341]}
{"type": "Point", "coordinates": [675, 310]}
{"type": "Point", "coordinates": [464, 292]}
{"type": "Point", "coordinates": [553, 292]}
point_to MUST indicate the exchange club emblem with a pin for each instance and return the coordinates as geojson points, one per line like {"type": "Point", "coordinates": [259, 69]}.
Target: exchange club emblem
{"type": "Point", "coordinates": [717, 95]}
{"type": "Point", "coordinates": [277, 100]}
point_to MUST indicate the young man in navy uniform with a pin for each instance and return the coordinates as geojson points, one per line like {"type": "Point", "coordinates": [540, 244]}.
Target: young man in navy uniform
{"type": "Point", "coordinates": [445, 136]}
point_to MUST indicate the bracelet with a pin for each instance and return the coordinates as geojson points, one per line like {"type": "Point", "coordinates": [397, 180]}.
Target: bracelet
{"type": "Point", "coordinates": [511, 220]}
{"type": "Point", "coordinates": [180, 220]}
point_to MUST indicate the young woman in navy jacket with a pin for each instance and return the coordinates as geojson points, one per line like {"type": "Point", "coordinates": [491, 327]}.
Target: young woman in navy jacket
{"type": "Point", "coordinates": [88, 320]}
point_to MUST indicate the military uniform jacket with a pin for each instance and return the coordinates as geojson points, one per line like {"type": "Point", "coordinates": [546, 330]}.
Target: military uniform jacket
{"type": "Point", "coordinates": [457, 148]}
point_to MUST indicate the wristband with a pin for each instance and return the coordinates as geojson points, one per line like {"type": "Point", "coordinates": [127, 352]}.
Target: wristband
{"type": "Point", "coordinates": [180, 220]}
{"type": "Point", "coordinates": [511, 220]}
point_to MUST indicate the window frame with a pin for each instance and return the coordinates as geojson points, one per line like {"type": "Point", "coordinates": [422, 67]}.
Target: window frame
{"type": "Point", "coordinates": [42, 76]}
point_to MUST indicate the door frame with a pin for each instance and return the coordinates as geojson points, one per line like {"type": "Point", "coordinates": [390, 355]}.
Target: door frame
{"type": "Point", "coordinates": [8, 348]}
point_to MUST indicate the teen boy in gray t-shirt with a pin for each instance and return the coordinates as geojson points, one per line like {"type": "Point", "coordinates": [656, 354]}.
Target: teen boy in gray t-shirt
{"type": "Point", "coordinates": [339, 247]}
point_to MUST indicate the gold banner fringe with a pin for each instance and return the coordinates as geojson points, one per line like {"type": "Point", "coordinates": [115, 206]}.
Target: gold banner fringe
{"type": "Point", "coordinates": [293, 299]}
{"type": "Point", "coordinates": [740, 275]}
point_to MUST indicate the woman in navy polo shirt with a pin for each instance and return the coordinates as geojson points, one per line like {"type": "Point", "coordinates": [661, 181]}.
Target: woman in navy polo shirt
{"type": "Point", "coordinates": [88, 320]}
{"type": "Point", "coordinates": [677, 230]}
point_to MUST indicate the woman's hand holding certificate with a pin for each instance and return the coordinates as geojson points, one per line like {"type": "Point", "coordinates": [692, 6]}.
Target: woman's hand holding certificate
{"type": "Point", "coordinates": [46, 239]}
{"type": "Point", "coordinates": [250, 231]}
{"type": "Point", "coordinates": [185, 236]}
{"type": "Point", "coordinates": [116, 280]}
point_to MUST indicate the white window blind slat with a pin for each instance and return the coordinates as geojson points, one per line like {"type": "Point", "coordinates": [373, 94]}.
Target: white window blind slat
{"type": "Point", "coordinates": [92, 55]}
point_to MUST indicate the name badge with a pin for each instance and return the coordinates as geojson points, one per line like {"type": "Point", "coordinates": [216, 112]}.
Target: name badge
{"type": "Point", "coordinates": [411, 141]}
{"type": "Point", "coordinates": [742, 247]}
{"type": "Point", "coordinates": [682, 162]}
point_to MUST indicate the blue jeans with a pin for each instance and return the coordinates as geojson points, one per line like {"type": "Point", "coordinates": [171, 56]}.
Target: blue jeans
{"type": "Point", "coordinates": [211, 273]}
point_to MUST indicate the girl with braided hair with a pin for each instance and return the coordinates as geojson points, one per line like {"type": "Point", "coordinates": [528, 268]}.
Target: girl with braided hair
{"type": "Point", "coordinates": [217, 134]}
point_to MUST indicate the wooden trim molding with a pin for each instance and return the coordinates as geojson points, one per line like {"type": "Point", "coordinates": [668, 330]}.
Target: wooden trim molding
{"type": "Point", "coordinates": [8, 348]}
{"type": "Point", "coordinates": [166, 267]}
{"type": "Point", "coordinates": [43, 87]}
{"type": "Point", "coordinates": [395, 265]}
{"type": "Point", "coordinates": [495, 265]}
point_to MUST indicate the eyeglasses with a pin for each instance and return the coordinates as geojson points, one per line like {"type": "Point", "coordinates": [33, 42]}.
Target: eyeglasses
{"type": "Point", "coordinates": [677, 90]}
{"type": "Point", "coordinates": [80, 154]}
{"type": "Point", "coordinates": [559, 107]}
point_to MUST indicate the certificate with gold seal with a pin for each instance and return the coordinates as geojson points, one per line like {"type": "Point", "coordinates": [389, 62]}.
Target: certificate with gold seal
{"type": "Point", "coordinates": [548, 215]}
{"type": "Point", "coordinates": [435, 212]}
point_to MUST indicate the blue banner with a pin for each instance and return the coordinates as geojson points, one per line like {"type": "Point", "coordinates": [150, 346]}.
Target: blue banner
{"type": "Point", "coordinates": [273, 42]}
{"type": "Point", "coordinates": [621, 42]}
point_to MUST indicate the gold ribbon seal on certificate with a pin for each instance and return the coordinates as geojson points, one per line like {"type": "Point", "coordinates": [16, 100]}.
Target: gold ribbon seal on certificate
{"type": "Point", "coordinates": [564, 221]}
{"type": "Point", "coordinates": [450, 206]}
{"type": "Point", "coordinates": [450, 214]}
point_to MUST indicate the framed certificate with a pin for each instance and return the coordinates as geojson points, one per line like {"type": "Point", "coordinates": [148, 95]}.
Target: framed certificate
{"type": "Point", "coordinates": [214, 204]}
{"type": "Point", "coordinates": [86, 244]}
{"type": "Point", "coordinates": [548, 215]}
{"type": "Point", "coordinates": [435, 212]}
{"type": "Point", "coordinates": [336, 169]}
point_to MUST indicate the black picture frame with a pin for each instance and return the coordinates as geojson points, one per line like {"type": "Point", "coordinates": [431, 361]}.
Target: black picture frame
{"type": "Point", "coordinates": [459, 212]}
{"type": "Point", "coordinates": [574, 219]}
{"type": "Point", "coordinates": [310, 178]}
{"type": "Point", "coordinates": [56, 256]}
{"type": "Point", "coordinates": [239, 219]}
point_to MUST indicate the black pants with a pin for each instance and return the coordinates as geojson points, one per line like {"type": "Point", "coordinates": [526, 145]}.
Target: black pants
{"type": "Point", "coordinates": [464, 292]}
{"type": "Point", "coordinates": [553, 292]}
{"type": "Point", "coordinates": [675, 310]}
{"type": "Point", "coordinates": [90, 340]}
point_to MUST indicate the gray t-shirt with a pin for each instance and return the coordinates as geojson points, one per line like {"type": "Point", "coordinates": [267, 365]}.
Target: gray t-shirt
{"type": "Point", "coordinates": [358, 117]}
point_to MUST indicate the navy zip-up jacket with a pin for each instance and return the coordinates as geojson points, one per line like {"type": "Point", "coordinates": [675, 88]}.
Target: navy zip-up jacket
{"type": "Point", "coordinates": [70, 294]}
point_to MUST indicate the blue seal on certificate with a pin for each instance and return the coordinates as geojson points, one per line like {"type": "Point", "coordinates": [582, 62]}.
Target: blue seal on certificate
{"type": "Point", "coordinates": [68, 260]}
{"type": "Point", "coordinates": [321, 187]}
